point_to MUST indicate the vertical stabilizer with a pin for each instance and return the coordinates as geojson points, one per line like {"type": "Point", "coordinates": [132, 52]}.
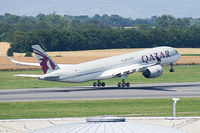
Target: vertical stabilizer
{"type": "Point", "coordinates": [46, 63]}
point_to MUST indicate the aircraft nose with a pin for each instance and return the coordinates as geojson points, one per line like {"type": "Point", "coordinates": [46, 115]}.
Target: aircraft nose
{"type": "Point", "coordinates": [176, 52]}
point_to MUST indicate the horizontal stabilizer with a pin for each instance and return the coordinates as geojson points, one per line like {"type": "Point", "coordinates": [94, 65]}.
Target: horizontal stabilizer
{"type": "Point", "coordinates": [28, 75]}
{"type": "Point", "coordinates": [41, 77]}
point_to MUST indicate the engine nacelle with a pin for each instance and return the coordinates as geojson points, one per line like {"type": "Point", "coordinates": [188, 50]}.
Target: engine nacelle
{"type": "Point", "coordinates": [153, 71]}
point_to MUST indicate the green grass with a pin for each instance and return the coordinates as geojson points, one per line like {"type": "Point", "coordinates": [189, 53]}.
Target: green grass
{"type": "Point", "coordinates": [124, 107]}
{"type": "Point", "coordinates": [130, 107]}
{"type": "Point", "coordinates": [188, 73]}
{"type": "Point", "coordinates": [190, 54]}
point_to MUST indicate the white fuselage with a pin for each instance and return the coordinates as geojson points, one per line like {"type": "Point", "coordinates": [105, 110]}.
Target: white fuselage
{"type": "Point", "coordinates": [93, 70]}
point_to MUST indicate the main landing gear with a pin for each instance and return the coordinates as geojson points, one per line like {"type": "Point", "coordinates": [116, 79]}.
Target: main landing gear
{"type": "Point", "coordinates": [120, 84]}
{"type": "Point", "coordinates": [172, 67]}
{"type": "Point", "coordinates": [123, 84]}
{"type": "Point", "coordinates": [99, 84]}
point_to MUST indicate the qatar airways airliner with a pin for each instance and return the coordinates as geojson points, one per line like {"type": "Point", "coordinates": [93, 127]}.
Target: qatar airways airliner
{"type": "Point", "coordinates": [149, 62]}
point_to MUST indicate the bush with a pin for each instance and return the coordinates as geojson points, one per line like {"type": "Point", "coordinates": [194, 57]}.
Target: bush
{"type": "Point", "coordinates": [28, 54]}
{"type": "Point", "coordinates": [10, 52]}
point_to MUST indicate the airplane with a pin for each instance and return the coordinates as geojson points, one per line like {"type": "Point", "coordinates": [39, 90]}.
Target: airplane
{"type": "Point", "coordinates": [148, 61]}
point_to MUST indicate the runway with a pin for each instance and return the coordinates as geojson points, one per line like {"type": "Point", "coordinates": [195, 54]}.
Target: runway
{"type": "Point", "coordinates": [159, 90]}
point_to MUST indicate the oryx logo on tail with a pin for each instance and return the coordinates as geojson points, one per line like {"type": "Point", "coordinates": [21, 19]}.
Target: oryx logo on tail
{"type": "Point", "coordinates": [46, 63]}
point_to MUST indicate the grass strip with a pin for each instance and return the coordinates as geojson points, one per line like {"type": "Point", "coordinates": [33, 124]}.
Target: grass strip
{"type": "Point", "coordinates": [185, 73]}
{"type": "Point", "coordinates": [123, 107]}
{"type": "Point", "coordinates": [190, 54]}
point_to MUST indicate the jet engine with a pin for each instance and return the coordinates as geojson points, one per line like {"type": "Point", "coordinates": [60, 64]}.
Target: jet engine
{"type": "Point", "coordinates": [153, 71]}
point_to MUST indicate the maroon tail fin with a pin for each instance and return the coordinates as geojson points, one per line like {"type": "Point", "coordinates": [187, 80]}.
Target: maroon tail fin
{"type": "Point", "coordinates": [46, 63]}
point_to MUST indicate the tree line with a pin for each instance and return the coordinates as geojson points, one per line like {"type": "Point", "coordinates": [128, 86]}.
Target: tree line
{"type": "Point", "coordinates": [105, 38]}
{"type": "Point", "coordinates": [63, 33]}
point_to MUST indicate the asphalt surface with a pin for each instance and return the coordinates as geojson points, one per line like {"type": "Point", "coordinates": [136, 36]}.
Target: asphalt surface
{"type": "Point", "coordinates": [160, 90]}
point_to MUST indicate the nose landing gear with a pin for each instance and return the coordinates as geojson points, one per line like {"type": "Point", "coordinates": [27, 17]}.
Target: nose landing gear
{"type": "Point", "coordinates": [172, 67]}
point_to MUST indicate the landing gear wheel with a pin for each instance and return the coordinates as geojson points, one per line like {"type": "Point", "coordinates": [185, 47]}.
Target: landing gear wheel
{"type": "Point", "coordinates": [127, 84]}
{"type": "Point", "coordinates": [103, 84]}
{"type": "Point", "coordinates": [123, 85]}
{"type": "Point", "coordinates": [119, 84]}
{"type": "Point", "coordinates": [99, 84]}
{"type": "Point", "coordinates": [95, 84]}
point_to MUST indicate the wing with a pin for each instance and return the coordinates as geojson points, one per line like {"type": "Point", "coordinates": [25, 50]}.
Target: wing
{"type": "Point", "coordinates": [116, 72]}
{"type": "Point", "coordinates": [23, 63]}
{"type": "Point", "coordinates": [36, 64]}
